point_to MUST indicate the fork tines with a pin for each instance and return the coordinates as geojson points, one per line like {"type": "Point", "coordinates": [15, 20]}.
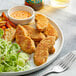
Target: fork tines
{"type": "Point", "coordinates": [67, 61]}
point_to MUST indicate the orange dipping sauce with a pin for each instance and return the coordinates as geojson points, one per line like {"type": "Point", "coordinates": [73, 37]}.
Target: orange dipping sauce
{"type": "Point", "coordinates": [20, 14]}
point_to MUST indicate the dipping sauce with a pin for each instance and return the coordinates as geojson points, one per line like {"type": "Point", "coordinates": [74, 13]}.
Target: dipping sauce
{"type": "Point", "coordinates": [20, 14]}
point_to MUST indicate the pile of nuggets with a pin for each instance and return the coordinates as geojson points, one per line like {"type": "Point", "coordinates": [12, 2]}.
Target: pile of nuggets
{"type": "Point", "coordinates": [39, 40]}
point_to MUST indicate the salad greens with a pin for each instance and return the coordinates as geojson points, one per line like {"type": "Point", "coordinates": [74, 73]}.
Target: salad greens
{"type": "Point", "coordinates": [11, 58]}
{"type": "Point", "coordinates": [1, 32]}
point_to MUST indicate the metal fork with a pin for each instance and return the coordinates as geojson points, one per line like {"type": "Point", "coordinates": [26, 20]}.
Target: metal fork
{"type": "Point", "coordinates": [63, 64]}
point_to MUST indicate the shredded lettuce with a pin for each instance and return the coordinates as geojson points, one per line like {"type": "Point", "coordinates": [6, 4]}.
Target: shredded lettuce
{"type": "Point", "coordinates": [1, 32]}
{"type": "Point", "coordinates": [11, 58]}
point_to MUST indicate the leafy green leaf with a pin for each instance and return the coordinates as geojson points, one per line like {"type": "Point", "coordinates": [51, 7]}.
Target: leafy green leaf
{"type": "Point", "coordinates": [1, 32]}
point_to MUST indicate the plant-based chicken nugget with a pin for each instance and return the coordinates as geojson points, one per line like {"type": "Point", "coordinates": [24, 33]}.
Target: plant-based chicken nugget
{"type": "Point", "coordinates": [24, 41]}
{"type": "Point", "coordinates": [9, 34]}
{"type": "Point", "coordinates": [34, 34]}
{"type": "Point", "coordinates": [41, 52]}
{"type": "Point", "coordinates": [51, 49]}
{"type": "Point", "coordinates": [51, 31]}
{"type": "Point", "coordinates": [41, 22]}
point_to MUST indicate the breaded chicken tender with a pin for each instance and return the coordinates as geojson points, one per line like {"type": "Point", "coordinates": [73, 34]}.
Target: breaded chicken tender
{"type": "Point", "coordinates": [51, 49]}
{"type": "Point", "coordinates": [34, 34]}
{"type": "Point", "coordinates": [9, 34]}
{"type": "Point", "coordinates": [41, 22]}
{"type": "Point", "coordinates": [51, 31]}
{"type": "Point", "coordinates": [24, 41]}
{"type": "Point", "coordinates": [41, 53]}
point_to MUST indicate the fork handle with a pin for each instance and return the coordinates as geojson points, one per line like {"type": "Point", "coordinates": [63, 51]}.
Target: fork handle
{"type": "Point", "coordinates": [45, 74]}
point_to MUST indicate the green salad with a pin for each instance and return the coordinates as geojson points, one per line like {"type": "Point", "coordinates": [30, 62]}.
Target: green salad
{"type": "Point", "coordinates": [12, 59]}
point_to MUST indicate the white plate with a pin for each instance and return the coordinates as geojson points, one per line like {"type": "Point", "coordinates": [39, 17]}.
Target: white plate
{"type": "Point", "coordinates": [58, 47]}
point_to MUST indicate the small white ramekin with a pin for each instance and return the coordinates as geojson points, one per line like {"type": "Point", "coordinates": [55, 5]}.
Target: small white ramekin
{"type": "Point", "coordinates": [21, 21]}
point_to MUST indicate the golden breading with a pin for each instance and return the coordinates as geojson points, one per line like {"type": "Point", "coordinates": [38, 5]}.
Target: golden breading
{"type": "Point", "coordinates": [41, 52]}
{"type": "Point", "coordinates": [24, 41]}
{"type": "Point", "coordinates": [41, 22]}
{"type": "Point", "coordinates": [51, 31]}
{"type": "Point", "coordinates": [34, 34]}
{"type": "Point", "coordinates": [51, 50]}
{"type": "Point", "coordinates": [9, 34]}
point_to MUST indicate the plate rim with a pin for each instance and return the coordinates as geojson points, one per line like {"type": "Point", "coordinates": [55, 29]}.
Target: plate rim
{"type": "Point", "coordinates": [45, 64]}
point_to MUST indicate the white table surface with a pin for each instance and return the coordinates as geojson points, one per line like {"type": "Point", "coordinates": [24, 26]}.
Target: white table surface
{"type": "Point", "coordinates": [66, 19]}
